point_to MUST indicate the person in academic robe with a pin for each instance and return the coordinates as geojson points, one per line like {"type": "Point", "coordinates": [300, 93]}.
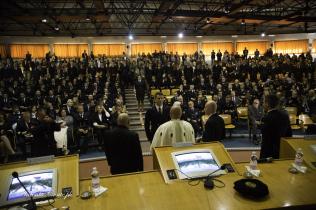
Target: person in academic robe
{"type": "Point", "coordinates": [101, 124]}
{"type": "Point", "coordinates": [214, 128]}
{"type": "Point", "coordinates": [173, 131]}
{"type": "Point", "coordinates": [156, 116]}
{"type": "Point", "coordinates": [276, 124]}
{"type": "Point", "coordinates": [122, 148]}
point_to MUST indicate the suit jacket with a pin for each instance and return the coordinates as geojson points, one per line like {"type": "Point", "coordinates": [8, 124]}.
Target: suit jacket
{"type": "Point", "coordinates": [105, 120]}
{"type": "Point", "coordinates": [123, 151]}
{"type": "Point", "coordinates": [255, 114]}
{"type": "Point", "coordinates": [276, 124]}
{"type": "Point", "coordinates": [214, 128]}
{"type": "Point", "coordinates": [153, 119]}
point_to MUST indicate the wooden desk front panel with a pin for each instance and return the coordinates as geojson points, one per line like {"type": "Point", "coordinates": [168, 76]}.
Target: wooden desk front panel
{"type": "Point", "coordinates": [148, 191]}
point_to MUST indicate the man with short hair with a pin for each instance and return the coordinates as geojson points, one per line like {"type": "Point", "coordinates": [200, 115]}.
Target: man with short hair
{"type": "Point", "coordinates": [255, 115]}
{"type": "Point", "coordinates": [122, 149]}
{"type": "Point", "coordinates": [156, 116]}
{"type": "Point", "coordinates": [214, 129]}
{"type": "Point", "coordinates": [276, 124]}
{"type": "Point", "coordinates": [173, 131]}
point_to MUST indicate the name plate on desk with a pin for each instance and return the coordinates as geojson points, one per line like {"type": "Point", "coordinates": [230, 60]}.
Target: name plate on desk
{"type": "Point", "coordinates": [43, 159]}
{"type": "Point", "coordinates": [182, 144]}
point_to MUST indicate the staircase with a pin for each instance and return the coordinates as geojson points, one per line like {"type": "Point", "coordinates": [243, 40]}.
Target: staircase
{"type": "Point", "coordinates": [137, 118]}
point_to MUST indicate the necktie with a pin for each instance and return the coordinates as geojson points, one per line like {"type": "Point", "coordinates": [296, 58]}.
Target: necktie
{"type": "Point", "coordinates": [159, 110]}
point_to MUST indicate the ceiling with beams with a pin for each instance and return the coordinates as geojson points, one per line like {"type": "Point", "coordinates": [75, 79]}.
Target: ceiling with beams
{"type": "Point", "coordinates": [145, 17]}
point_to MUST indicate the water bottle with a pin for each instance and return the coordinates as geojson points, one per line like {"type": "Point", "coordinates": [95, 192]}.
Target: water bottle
{"type": "Point", "coordinates": [253, 161]}
{"type": "Point", "coordinates": [299, 157]}
{"type": "Point", "coordinates": [95, 179]}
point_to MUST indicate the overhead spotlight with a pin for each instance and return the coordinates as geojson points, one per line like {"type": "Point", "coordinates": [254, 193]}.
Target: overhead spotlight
{"type": "Point", "coordinates": [198, 36]}
{"type": "Point", "coordinates": [242, 22]}
{"type": "Point", "coordinates": [88, 19]}
{"type": "Point", "coordinates": [130, 37]}
{"type": "Point", "coordinates": [263, 34]}
{"type": "Point", "coordinates": [44, 20]}
{"type": "Point", "coordinates": [180, 35]}
{"type": "Point", "coordinates": [234, 36]}
{"type": "Point", "coordinates": [271, 35]}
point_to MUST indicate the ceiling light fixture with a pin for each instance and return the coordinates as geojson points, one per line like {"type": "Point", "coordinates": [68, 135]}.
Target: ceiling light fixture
{"type": "Point", "coordinates": [88, 19]}
{"type": "Point", "coordinates": [163, 37]}
{"type": "Point", "coordinates": [199, 36]}
{"type": "Point", "coordinates": [263, 34]}
{"type": "Point", "coordinates": [271, 35]}
{"type": "Point", "coordinates": [180, 35]}
{"type": "Point", "coordinates": [234, 36]}
{"type": "Point", "coordinates": [130, 37]}
{"type": "Point", "coordinates": [44, 20]}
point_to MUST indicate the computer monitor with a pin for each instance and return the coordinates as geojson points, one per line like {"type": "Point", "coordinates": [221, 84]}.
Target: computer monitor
{"type": "Point", "coordinates": [196, 163]}
{"type": "Point", "coordinates": [41, 184]}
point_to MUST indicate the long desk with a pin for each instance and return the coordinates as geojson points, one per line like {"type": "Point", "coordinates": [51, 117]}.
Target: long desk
{"type": "Point", "coordinates": [289, 146]}
{"type": "Point", "coordinates": [149, 191]}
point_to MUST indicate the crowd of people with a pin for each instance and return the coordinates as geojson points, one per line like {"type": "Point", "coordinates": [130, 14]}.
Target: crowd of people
{"type": "Point", "coordinates": [86, 95]}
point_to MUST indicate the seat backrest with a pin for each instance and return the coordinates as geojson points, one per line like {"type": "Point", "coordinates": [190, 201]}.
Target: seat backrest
{"type": "Point", "coordinates": [154, 91]}
{"type": "Point", "coordinates": [291, 110]}
{"type": "Point", "coordinates": [292, 119]}
{"type": "Point", "coordinates": [166, 92]}
{"type": "Point", "coordinates": [242, 111]}
{"type": "Point", "coordinates": [174, 91]}
{"type": "Point", "coordinates": [227, 118]}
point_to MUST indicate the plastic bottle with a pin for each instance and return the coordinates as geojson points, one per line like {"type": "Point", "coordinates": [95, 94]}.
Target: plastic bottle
{"type": "Point", "coordinates": [95, 179]}
{"type": "Point", "coordinates": [299, 157]}
{"type": "Point", "coordinates": [253, 161]}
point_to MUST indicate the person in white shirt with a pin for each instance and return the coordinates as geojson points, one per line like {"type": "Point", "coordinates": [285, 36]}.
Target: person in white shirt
{"type": "Point", "coordinates": [173, 131]}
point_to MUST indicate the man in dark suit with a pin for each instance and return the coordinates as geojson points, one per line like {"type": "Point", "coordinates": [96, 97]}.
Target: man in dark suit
{"type": "Point", "coordinates": [214, 127]}
{"type": "Point", "coordinates": [81, 128]}
{"type": "Point", "coordinates": [101, 123]}
{"type": "Point", "coordinates": [122, 149]}
{"type": "Point", "coordinates": [255, 115]}
{"type": "Point", "coordinates": [156, 116]}
{"type": "Point", "coordinates": [23, 131]}
{"type": "Point", "coordinates": [43, 132]}
{"type": "Point", "coordinates": [276, 124]}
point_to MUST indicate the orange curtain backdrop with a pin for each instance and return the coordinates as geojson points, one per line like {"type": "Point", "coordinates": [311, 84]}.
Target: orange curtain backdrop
{"type": "Point", "coordinates": [187, 48]}
{"type": "Point", "coordinates": [36, 50]}
{"type": "Point", "coordinates": [3, 51]}
{"type": "Point", "coordinates": [70, 50]}
{"type": "Point", "coordinates": [146, 48]}
{"type": "Point", "coordinates": [262, 46]}
{"type": "Point", "coordinates": [222, 46]}
{"type": "Point", "coordinates": [108, 49]}
{"type": "Point", "coordinates": [314, 46]}
{"type": "Point", "coordinates": [291, 46]}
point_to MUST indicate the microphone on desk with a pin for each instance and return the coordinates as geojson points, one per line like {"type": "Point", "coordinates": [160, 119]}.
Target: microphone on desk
{"type": "Point", "coordinates": [209, 183]}
{"type": "Point", "coordinates": [31, 205]}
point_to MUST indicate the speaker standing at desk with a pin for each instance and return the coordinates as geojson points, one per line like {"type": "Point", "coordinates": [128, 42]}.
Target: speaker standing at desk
{"type": "Point", "coordinates": [122, 149]}
{"type": "Point", "coordinates": [276, 124]}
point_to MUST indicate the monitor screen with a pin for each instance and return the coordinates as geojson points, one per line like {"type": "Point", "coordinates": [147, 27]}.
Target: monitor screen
{"type": "Point", "coordinates": [41, 184]}
{"type": "Point", "coordinates": [195, 163]}
{"type": "Point", "coordinates": [38, 185]}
